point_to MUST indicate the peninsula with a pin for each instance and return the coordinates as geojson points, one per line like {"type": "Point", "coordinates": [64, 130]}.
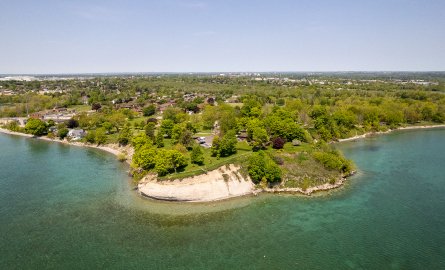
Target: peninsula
{"type": "Point", "coordinates": [217, 136]}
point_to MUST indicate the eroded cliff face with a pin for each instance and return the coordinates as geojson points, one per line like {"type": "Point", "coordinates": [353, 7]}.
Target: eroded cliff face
{"type": "Point", "coordinates": [222, 183]}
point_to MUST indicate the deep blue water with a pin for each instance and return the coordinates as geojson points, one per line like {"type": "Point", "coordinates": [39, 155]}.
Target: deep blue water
{"type": "Point", "coordinates": [64, 207]}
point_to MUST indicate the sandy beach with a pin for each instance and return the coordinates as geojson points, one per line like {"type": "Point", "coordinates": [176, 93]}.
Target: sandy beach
{"type": "Point", "coordinates": [391, 130]}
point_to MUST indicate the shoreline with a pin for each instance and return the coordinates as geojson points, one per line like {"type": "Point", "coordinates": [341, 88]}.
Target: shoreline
{"type": "Point", "coordinates": [107, 148]}
{"type": "Point", "coordinates": [367, 134]}
{"type": "Point", "coordinates": [214, 186]}
{"type": "Point", "coordinates": [220, 184]}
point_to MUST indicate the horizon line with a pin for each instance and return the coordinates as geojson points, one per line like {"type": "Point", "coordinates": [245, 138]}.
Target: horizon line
{"type": "Point", "coordinates": [217, 72]}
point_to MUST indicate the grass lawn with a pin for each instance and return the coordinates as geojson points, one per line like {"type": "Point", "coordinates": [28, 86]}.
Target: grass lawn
{"type": "Point", "coordinates": [210, 163]}
{"type": "Point", "coordinates": [81, 108]}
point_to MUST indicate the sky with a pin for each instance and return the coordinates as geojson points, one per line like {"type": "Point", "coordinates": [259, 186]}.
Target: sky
{"type": "Point", "coordinates": [61, 36]}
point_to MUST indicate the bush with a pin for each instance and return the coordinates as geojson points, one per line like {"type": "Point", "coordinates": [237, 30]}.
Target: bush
{"type": "Point", "coordinates": [333, 160]}
{"type": "Point", "coordinates": [96, 106]}
{"type": "Point", "coordinates": [140, 140]}
{"type": "Point", "coordinates": [91, 136]}
{"type": "Point", "coordinates": [278, 143]}
{"type": "Point", "coordinates": [121, 157]}
{"type": "Point", "coordinates": [13, 126]}
{"type": "Point", "coordinates": [62, 133]}
{"type": "Point", "coordinates": [262, 167]}
{"type": "Point", "coordinates": [145, 157]}
{"type": "Point", "coordinates": [159, 139]}
{"type": "Point", "coordinates": [124, 136]}
{"type": "Point", "coordinates": [149, 110]}
{"type": "Point", "coordinates": [36, 127]}
{"type": "Point", "coordinates": [150, 130]}
{"type": "Point", "coordinates": [152, 120]}
{"type": "Point", "coordinates": [101, 137]}
{"type": "Point", "coordinates": [72, 123]}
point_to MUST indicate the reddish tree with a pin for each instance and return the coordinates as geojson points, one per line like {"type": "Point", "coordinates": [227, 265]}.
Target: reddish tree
{"type": "Point", "coordinates": [278, 143]}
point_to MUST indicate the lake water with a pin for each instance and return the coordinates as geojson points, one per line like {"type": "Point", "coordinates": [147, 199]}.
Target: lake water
{"type": "Point", "coordinates": [64, 207]}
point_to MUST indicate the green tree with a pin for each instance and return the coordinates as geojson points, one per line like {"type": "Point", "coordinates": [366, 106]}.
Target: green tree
{"type": "Point", "coordinates": [176, 132]}
{"type": "Point", "coordinates": [36, 127]}
{"type": "Point", "coordinates": [261, 166]}
{"type": "Point", "coordinates": [197, 156]}
{"type": "Point", "coordinates": [145, 157]}
{"type": "Point", "coordinates": [13, 126]}
{"type": "Point", "coordinates": [140, 140]}
{"type": "Point", "coordinates": [124, 136]}
{"type": "Point", "coordinates": [62, 133]}
{"type": "Point", "coordinates": [91, 136]}
{"type": "Point", "coordinates": [168, 161]}
{"type": "Point", "coordinates": [107, 126]}
{"type": "Point", "coordinates": [259, 138]}
{"type": "Point", "coordinates": [149, 110]}
{"type": "Point", "coordinates": [159, 139]}
{"type": "Point", "coordinates": [150, 130]}
{"type": "Point", "coordinates": [101, 136]}
{"type": "Point", "coordinates": [177, 159]}
{"type": "Point", "coordinates": [225, 146]}
{"type": "Point", "coordinates": [174, 114]}
{"type": "Point", "coordinates": [187, 139]}
{"type": "Point", "coordinates": [167, 127]}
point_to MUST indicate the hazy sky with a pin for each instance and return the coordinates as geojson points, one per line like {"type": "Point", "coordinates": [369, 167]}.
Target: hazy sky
{"type": "Point", "coordinates": [232, 35]}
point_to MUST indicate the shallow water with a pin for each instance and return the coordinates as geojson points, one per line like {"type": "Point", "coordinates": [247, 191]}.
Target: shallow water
{"type": "Point", "coordinates": [67, 207]}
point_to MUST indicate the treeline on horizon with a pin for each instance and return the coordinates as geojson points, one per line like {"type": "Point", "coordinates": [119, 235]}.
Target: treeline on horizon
{"type": "Point", "coordinates": [366, 104]}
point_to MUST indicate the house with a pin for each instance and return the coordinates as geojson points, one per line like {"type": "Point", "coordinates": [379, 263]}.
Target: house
{"type": "Point", "coordinates": [76, 134]}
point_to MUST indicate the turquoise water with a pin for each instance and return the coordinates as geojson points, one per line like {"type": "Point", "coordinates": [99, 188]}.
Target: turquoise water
{"type": "Point", "coordinates": [63, 207]}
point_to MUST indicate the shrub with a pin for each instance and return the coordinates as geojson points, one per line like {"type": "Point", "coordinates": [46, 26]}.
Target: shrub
{"type": "Point", "coordinates": [261, 167]}
{"type": "Point", "coordinates": [139, 141]}
{"type": "Point", "coordinates": [96, 106]}
{"type": "Point", "coordinates": [124, 136]}
{"type": "Point", "coordinates": [36, 127]}
{"type": "Point", "coordinates": [13, 126]}
{"type": "Point", "coordinates": [72, 123]}
{"type": "Point", "coordinates": [121, 157]}
{"type": "Point", "coordinates": [159, 139]}
{"type": "Point", "coordinates": [101, 137]}
{"type": "Point", "coordinates": [91, 136]}
{"type": "Point", "coordinates": [333, 160]}
{"type": "Point", "coordinates": [278, 143]}
{"type": "Point", "coordinates": [149, 110]}
{"type": "Point", "coordinates": [150, 130]}
{"type": "Point", "coordinates": [62, 133]}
